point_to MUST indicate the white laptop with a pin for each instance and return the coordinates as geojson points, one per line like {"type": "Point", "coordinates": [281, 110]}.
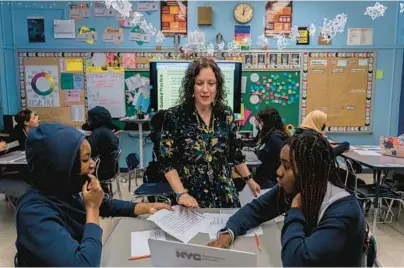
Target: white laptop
{"type": "Point", "coordinates": [176, 254]}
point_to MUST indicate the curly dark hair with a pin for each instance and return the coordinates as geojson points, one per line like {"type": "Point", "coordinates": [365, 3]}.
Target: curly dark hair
{"type": "Point", "coordinates": [313, 164]}
{"type": "Point", "coordinates": [188, 83]}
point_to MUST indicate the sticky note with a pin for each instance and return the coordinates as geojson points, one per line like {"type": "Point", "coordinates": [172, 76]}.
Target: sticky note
{"type": "Point", "coordinates": [379, 74]}
{"type": "Point", "coordinates": [74, 65]}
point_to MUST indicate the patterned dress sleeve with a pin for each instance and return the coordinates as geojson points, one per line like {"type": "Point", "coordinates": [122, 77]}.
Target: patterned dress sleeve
{"type": "Point", "coordinates": [235, 145]}
{"type": "Point", "coordinates": [167, 156]}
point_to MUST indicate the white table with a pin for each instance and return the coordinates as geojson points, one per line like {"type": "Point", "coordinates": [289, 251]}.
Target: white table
{"type": "Point", "coordinates": [117, 248]}
{"type": "Point", "coordinates": [13, 158]}
{"type": "Point", "coordinates": [140, 123]}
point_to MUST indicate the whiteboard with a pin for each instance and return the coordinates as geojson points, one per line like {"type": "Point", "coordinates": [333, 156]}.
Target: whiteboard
{"type": "Point", "coordinates": [106, 89]}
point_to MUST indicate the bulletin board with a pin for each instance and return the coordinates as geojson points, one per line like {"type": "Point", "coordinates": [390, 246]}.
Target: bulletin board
{"type": "Point", "coordinates": [133, 94]}
{"type": "Point", "coordinates": [341, 85]}
{"type": "Point", "coordinates": [278, 89]}
{"type": "Point", "coordinates": [53, 86]}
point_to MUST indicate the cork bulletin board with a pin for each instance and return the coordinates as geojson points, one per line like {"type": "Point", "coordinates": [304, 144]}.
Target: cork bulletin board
{"type": "Point", "coordinates": [53, 86]}
{"type": "Point", "coordinates": [341, 85]}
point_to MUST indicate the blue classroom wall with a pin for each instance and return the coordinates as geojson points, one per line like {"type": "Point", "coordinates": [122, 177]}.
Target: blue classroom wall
{"type": "Point", "coordinates": [388, 42]}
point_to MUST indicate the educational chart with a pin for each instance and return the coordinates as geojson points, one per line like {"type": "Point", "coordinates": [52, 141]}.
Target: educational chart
{"type": "Point", "coordinates": [52, 84]}
{"type": "Point", "coordinates": [137, 92]}
{"type": "Point", "coordinates": [42, 85]}
{"type": "Point", "coordinates": [278, 89]}
{"type": "Point", "coordinates": [105, 88]}
{"type": "Point", "coordinates": [340, 84]}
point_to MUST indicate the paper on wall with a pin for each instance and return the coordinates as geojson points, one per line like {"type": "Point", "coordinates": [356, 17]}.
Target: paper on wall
{"type": "Point", "coordinates": [64, 29]}
{"type": "Point", "coordinates": [243, 84]}
{"type": "Point", "coordinates": [140, 241]}
{"type": "Point", "coordinates": [77, 113]}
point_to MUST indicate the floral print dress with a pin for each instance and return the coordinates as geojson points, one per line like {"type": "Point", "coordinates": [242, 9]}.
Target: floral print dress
{"type": "Point", "coordinates": [202, 154]}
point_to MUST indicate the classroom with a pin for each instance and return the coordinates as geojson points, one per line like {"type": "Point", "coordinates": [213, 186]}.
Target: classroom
{"type": "Point", "coordinates": [201, 133]}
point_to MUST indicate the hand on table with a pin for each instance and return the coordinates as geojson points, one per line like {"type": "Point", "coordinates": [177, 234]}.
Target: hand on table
{"type": "Point", "coordinates": [254, 187]}
{"type": "Point", "coordinates": [187, 201]}
{"type": "Point", "coordinates": [150, 208]}
{"type": "Point", "coordinates": [223, 241]}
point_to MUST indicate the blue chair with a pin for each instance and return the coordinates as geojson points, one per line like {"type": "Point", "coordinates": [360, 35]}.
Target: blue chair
{"type": "Point", "coordinates": [148, 190]}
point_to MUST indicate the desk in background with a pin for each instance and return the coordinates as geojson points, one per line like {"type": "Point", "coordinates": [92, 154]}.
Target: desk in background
{"type": "Point", "coordinates": [117, 248]}
{"type": "Point", "coordinates": [13, 158]}
{"type": "Point", "coordinates": [140, 123]}
{"type": "Point", "coordinates": [377, 163]}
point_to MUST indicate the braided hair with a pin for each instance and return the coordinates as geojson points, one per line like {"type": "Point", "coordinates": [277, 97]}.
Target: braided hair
{"type": "Point", "coordinates": [313, 164]}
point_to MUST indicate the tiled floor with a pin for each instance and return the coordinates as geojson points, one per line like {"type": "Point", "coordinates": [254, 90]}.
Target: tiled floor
{"type": "Point", "coordinates": [390, 237]}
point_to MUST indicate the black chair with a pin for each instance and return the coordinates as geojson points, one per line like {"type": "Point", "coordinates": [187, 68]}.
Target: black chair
{"type": "Point", "coordinates": [148, 189]}
{"type": "Point", "coordinates": [108, 183]}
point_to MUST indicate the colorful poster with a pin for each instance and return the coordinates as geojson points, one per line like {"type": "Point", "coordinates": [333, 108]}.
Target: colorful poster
{"type": "Point", "coordinates": [86, 34]}
{"type": "Point", "coordinates": [78, 81]}
{"type": "Point", "coordinates": [173, 17]}
{"type": "Point", "coordinates": [242, 35]}
{"type": "Point", "coordinates": [304, 36]}
{"type": "Point", "coordinates": [42, 85]}
{"type": "Point", "coordinates": [81, 10]}
{"type": "Point", "coordinates": [139, 35]}
{"type": "Point", "coordinates": [36, 29]}
{"type": "Point", "coordinates": [66, 81]}
{"type": "Point", "coordinates": [113, 35]}
{"type": "Point", "coordinates": [129, 60]}
{"type": "Point", "coordinates": [278, 17]}
{"type": "Point", "coordinates": [100, 10]}
{"type": "Point", "coordinates": [72, 95]}
{"type": "Point", "coordinates": [74, 65]}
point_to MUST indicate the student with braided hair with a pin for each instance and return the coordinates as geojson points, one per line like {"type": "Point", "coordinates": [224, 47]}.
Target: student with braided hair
{"type": "Point", "coordinates": [324, 224]}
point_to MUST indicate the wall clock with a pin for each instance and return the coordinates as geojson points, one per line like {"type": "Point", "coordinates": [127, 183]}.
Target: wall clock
{"type": "Point", "coordinates": [243, 13]}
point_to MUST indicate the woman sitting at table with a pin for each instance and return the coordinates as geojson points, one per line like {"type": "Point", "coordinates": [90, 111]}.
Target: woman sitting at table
{"type": "Point", "coordinates": [315, 122]}
{"type": "Point", "coordinates": [56, 224]}
{"type": "Point", "coordinates": [198, 142]}
{"type": "Point", "coordinates": [104, 143]}
{"type": "Point", "coordinates": [324, 224]}
{"type": "Point", "coordinates": [26, 120]}
{"type": "Point", "coordinates": [271, 136]}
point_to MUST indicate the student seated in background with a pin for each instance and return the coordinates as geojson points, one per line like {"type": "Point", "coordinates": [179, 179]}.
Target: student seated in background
{"type": "Point", "coordinates": [104, 143]}
{"type": "Point", "coordinates": [324, 224]}
{"type": "Point", "coordinates": [315, 122]}
{"type": "Point", "coordinates": [26, 120]}
{"type": "Point", "coordinates": [56, 224]}
{"type": "Point", "coordinates": [271, 136]}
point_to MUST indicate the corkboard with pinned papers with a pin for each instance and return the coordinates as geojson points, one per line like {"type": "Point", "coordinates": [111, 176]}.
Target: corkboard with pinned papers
{"type": "Point", "coordinates": [341, 85]}
{"type": "Point", "coordinates": [53, 86]}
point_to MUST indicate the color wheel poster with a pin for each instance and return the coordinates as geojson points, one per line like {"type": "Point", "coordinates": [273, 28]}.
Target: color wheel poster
{"type": "Point", "coordinates": [42, 86]}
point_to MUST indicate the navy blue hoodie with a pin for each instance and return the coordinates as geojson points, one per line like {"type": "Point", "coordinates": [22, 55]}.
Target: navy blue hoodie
{"type": "Point", "coordinates": [268, 153]}
{"type": "Point", "coordinates": [336, 241]}
{"type": "Point", "coordinates": [51, 217]}
{"type": "Point", "coordinates": [103, 141]}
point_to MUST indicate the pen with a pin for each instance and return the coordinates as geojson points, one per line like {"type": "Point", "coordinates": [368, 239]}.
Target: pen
{"type": "Point", "coordinates": [257, 240]}
{"type": "Point", "coordinates": [139, 257]}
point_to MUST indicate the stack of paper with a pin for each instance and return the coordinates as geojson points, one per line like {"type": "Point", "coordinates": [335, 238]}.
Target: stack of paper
{"type": "Point", "coordinates": [140, 241]}
{"type": "Point", "coordinates": [182, 223]}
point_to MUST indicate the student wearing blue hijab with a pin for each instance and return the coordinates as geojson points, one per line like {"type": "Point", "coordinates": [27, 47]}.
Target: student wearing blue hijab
{"type": "Point", "coordinates": [56, 225]}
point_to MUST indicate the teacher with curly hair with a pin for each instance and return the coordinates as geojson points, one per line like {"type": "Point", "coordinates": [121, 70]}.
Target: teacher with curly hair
{"type": "Point", "coordinates": [198, 142]}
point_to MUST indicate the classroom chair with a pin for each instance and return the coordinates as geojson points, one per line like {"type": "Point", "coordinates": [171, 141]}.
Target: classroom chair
{"type": "Point", "coordinates": [108, 183]}
{"type": "Point", "coordinates": [366, 193]}
{"type": "Point", "coordinates": [152, 191]}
